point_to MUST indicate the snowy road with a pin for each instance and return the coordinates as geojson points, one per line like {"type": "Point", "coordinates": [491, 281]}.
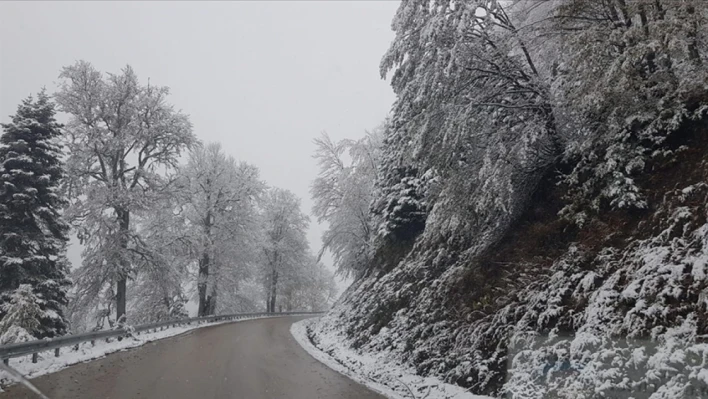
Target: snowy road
{"type": "Point", "coordinates": [255, 359]}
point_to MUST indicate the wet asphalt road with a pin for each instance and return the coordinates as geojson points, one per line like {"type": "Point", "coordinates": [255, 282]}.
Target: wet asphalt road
{"type": "Point", "coordinates": [256, 359]}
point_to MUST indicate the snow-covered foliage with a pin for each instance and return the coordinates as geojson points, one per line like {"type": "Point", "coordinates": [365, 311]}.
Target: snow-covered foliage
{"type": "Point", "coordinates": [156, 234]}
{"type": "Point", "coordinates": [629, 75]}
{"type": "Point", "coordinates": [284, 247]}
{"type": "Point", "coordinates": [158, 291]}
{"type": "Point", "coordinates": [343, 192]}
{"type": "Point", "coordinates": [474, 114]}
{"type": "Point", "coordinates": [21, 316]}
{"type": "Point", "coordinates": [553, 151]}
{"type": "Point", "coordinates": [400, 210]}
{"type": "Point", "coordinates": [33, 233]}
{"type": "Point", "coordinates": [120, 136]}
{"type": "Point", "coordinates": [307, 286]}
{"type": "Point", "coordinates": [642, 328]}
{"type": "Point", "coordinates": [217, 204]}
{"type": "Point", "coordinates": [611, 321]}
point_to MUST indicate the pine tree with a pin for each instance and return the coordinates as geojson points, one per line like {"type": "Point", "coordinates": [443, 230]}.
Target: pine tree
{"type": "Point", "coordinates": [33, 234]}
{"type": "Point", "coordinates": [22, 314]}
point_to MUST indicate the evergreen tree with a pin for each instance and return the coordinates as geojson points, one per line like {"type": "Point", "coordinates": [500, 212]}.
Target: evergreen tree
{"type": "Point", "coordinates": [22, 314]}
{"type": "Point", "coordinates": [33, 233]}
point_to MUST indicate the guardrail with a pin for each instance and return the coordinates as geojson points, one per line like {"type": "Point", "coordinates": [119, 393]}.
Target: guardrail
{"type": "Point", "coordinates": [34, 347]}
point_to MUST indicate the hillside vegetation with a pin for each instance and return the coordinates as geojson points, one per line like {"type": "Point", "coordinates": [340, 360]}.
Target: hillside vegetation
{"type": "Point", "coordinates": [538, 223]}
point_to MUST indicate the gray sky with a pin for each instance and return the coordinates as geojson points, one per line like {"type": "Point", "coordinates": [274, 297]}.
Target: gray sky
{"type": "Point", "coordinates": [263, 78]}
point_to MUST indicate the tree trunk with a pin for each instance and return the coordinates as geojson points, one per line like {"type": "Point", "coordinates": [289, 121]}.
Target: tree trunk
{"type": "Point", "coordinates": [622, 5]}
{"type": "Point", "coordinates": [204, 263]}
{"type": "Point", "coordinates": [693, 53]}
{"type": "Point", "coordinates": [168, 305]}
{"type": "Point", "coordinates": [659, 9]}
{"type": "Point", "coordinates": [120, 300]}
{"type": "Point", "coordinates": [211, 302]}
{"type": "Point", "coordinates": [267, 290]}
{"type": "Point", "coordinates": [211, 305]}
{"type": "Point", "coordinates": [202, 284]}
{"type": "Point", "coordinates": [273, 290]}
{"type": "Point", "coordinates": [121, 286]}
{"type": "Point", "coordinates": [643, 19]}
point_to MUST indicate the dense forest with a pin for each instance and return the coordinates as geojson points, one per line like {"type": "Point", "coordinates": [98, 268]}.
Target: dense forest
{"type": "Point", "coordinates": [163, 219]}
{"type": "Point", "coordinates": [530, 221]}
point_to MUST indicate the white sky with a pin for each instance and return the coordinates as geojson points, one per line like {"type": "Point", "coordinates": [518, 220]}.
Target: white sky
{"type": "Point", "coordinates": [263, 78]}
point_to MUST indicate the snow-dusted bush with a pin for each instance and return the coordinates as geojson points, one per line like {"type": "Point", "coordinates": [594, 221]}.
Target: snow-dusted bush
{"type": "Point", "coordinates": [401, 209]}
{"type": "Point", "coordinates": [642, 324]}
{"type": "Point", "coordinates": [631, 75]}
{"type": "Point", "coordinates": [22, 315]}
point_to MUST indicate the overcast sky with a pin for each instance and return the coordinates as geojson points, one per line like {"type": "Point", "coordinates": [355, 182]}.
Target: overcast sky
{"type": "Point", "coordinates": [263, 77]}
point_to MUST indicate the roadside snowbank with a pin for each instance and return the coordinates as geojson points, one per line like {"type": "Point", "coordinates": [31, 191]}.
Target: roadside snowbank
{"type": "Point", "coordinates": [47, 363]}
{"type": "Point", "coordinates": [374, 371]}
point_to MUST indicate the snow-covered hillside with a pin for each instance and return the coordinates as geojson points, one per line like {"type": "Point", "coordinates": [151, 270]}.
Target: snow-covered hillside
{"type": "Point", "coordinates": [622, 307]}
{"type": "Point", "coordinates": [539, 208]}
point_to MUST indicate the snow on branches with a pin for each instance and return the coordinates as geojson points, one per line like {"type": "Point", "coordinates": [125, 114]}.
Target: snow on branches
{"type": "Point", "coordinates": [120, 135]}
{"type": "Point", "coordinates": [343, 192]}
{"type": "Point", "coordinates": [33, 233]}
{"type": "Point", "coordinates": [508, 112]}
{"type": "Point", "coordinates": [21, 315]}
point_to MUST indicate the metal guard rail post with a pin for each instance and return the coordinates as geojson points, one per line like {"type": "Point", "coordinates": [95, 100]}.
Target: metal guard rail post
{"type": "Point", "coordinates": [8, 352]}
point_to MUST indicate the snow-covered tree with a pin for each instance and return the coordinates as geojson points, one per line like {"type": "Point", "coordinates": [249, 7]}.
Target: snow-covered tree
{"type": "Point", "coordinates": [159, 290]}
{"type": "Point", "coordinates": [307, 286]}
{"type": "Point", "coordinates": [458, 66]}
{"type": "Point", "coordinates": [33, 233]}
{"type": "Point", "coordinates": [121, 135]}
{"type": "Point", "coordinates": [474, 127]}
{"type": "Point", "coordinates": [22, 315]}
{"type": "Point", "coordinates": [218, 197]}
{"type": "Point", "coordinates": [343, 192]}
{"type": "Point", "coordinates": [284, 245]}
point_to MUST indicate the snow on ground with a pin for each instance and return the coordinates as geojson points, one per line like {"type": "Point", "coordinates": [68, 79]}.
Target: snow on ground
{"type": "Point", "coordinates": [47, 363]}
{"type": "Point", "coordinates": [374, 371]}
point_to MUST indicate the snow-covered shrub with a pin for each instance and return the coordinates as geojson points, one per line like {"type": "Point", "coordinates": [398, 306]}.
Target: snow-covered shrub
{"type": "Point", "coordinates": [605, 174]}
{"type": "Point", "coordinates": [401, 208]}
{"type": "Point", "coordinates": [22, 315]}
{"type": "Point", "coordinates": [641, 326]}
{"type": "Point", "coordinates": [178, 307]}
{"type": "Point", "coordinates": [628, 77]}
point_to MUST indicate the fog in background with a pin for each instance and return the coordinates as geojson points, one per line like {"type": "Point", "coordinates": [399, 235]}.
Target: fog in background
{"type": "Point", "coordinates": [262, 78]}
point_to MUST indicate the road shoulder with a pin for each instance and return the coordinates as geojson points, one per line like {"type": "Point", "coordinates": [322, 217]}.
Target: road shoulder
{"type": "Point", "coordinates": [373, 371]}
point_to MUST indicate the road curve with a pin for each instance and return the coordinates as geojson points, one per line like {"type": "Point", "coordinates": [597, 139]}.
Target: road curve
{"type": "Point", "coordinates": [256, 359]}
